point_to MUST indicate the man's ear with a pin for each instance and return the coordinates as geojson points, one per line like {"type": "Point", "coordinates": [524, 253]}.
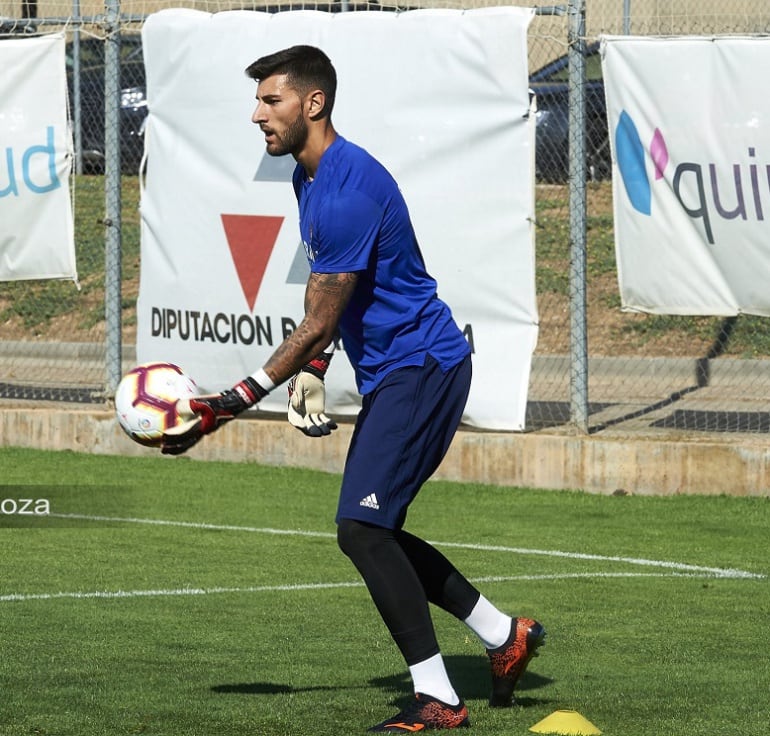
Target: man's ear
{"type": "Point", "coordinates": [316, 104]}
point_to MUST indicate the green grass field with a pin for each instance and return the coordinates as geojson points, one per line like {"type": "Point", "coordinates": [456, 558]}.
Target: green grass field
{"type": "Point", "coordinates": [220, 604]}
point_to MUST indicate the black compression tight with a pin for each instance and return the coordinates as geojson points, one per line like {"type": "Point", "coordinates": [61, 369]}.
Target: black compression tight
{"type": "Point", "coordinates": [403, 574]}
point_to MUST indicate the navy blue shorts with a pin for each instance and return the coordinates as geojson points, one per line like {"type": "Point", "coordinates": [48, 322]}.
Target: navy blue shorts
{"type": "Point", "coordinates": [401, 436]}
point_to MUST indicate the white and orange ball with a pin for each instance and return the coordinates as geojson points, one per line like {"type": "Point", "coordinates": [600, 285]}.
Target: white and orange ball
{"type": "Point", "coordinates": [146, 400]}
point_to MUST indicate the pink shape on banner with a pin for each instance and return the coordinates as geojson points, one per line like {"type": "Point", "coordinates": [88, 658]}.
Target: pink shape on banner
{"type": "Point", "coordinates": [659, 153]}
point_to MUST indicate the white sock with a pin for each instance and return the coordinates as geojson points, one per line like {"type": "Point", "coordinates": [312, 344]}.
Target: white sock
{"type": "Point", "coordinates": [430, 678]}
{"type": "Point", "coordinates": [488, 623]}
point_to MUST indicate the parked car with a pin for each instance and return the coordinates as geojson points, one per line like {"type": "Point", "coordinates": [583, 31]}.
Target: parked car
{"type": "Point", "coordinates": [132, 113]}
{"type": "Point", "coordinates": [550, 85]}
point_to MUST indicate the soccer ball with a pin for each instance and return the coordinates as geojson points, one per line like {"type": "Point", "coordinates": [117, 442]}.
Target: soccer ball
{"type": "Point", "coordinates": [145, 400]}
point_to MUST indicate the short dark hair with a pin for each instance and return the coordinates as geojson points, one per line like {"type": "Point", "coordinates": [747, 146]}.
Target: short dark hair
{"type": "Point", "coordinates": [306, 68]}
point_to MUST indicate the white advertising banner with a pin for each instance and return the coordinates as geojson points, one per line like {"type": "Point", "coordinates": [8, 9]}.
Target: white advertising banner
{"type": "Point", "coordinates": [690, 135]}
{"type": "Point", "coordinates": [439, 97]}
{"type": "Point", "coordinates": [37, 238]}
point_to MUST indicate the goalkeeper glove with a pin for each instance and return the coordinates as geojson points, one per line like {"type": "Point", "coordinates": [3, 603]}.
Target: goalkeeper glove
{"type": "Point", "coordinates": [307, 399]}
{"type": "Point", "coordinates": [206, 413]}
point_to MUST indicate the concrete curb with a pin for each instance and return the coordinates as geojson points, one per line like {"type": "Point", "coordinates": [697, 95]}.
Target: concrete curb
{"type": "Point", "coordinates": [655, 465]}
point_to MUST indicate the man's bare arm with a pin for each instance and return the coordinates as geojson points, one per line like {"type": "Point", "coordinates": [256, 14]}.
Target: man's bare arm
{"type": "Point", "coordinates": [326, 296]}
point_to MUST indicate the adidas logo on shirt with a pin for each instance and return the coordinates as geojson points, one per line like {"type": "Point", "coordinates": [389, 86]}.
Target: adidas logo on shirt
{"type": "Point", "coordinates": [370, 502]}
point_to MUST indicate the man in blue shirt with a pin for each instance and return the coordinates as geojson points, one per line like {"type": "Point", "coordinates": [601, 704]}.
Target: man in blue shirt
{"type": "Point", "coordinates": [368, 286]}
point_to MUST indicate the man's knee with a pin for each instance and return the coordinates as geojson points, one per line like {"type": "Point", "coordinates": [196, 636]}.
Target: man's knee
{"type": "Point", "coordinates": [357, 539]}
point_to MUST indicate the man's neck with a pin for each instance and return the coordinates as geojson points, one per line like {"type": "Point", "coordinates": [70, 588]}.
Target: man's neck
{"type": "Point", "coordinates": [311, 154]}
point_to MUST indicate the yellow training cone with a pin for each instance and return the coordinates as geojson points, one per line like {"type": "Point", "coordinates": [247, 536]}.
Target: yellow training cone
{"type": "Point", "coordinates": [567, 722]}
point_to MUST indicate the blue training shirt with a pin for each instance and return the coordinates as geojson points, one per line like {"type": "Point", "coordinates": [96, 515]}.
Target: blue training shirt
{"type": "Point", "coordinates": [353, 218]}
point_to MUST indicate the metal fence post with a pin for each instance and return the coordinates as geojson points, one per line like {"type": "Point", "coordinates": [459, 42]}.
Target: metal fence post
{"type": "Point", "coordinates": [76, 99]}
{"type": "Point", "coordinates": [626, 17]}
{"type": "Point", "coordinates": [577, 216]}
{"type": "Point", "coordinates": [112, 190]}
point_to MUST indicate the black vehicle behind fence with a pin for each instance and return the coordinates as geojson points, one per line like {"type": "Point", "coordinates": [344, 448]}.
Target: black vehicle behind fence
{"type": "Point", "coordinates": [550, 85]}
{"type": "Point", "coordinates": [133, 102]}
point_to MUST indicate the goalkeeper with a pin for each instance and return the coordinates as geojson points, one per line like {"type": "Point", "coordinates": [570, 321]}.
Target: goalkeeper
{"type": "Point", "coordinates": [368, 284]}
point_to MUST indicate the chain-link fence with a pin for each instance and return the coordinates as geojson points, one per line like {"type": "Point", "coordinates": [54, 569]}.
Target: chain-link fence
{"type": "Point", "coordinates": [595, 366]}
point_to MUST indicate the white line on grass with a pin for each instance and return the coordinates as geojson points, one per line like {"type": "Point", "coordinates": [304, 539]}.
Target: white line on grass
{"type": "Point", "coordinates": [721, 572]}
{"type": "Point", "coordinates": [107, 594]}
{"type": "Point", "coordinates": [679, 566]}
{"type": "Point", "coordinates": [679, 569]}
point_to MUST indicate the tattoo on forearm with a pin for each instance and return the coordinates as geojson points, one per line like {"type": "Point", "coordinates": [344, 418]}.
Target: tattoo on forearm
{"type": "Point", "coordinates": [326, 297]}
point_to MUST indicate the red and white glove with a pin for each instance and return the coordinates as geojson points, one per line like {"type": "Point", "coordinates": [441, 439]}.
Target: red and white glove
{"type": "Point", "coordinates": [204, 414]}
{"type": "Point", "coordinates": [307, 398]}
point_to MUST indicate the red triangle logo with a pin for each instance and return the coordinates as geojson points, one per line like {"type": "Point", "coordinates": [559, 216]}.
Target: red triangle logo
{"type": "Point", "coordinates": [251, 239]}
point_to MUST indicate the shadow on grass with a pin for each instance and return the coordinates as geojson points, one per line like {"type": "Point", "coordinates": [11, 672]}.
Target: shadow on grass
{"type": "Point", "coordinates": [267, 688]}
{"type": "Point", "coordinates": [469, 675]}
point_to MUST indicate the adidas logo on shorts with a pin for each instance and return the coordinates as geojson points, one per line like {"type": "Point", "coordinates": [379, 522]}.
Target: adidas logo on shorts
{"type": "Point", "coordinates": [370, 502]}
